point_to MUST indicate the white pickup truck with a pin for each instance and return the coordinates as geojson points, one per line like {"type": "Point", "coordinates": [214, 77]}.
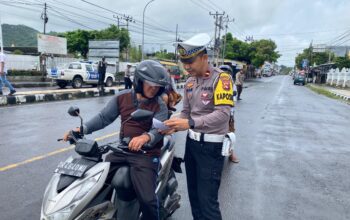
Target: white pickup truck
{"type": "Point", "coordinates": [77, 74]}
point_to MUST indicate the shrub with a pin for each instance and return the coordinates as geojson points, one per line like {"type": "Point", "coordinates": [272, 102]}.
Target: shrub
{"type": "Point", "coordinates": [23, 73]}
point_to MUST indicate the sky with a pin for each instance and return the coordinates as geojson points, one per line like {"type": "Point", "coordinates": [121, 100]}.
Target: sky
{"type": "Point", "coordinates": [292, 24]}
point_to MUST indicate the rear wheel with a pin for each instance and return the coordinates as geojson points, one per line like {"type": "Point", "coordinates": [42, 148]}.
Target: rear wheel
{"type": "Point", "coordinates": [109, 82]}
{"type": "Point", "coordinates": [77, 82]}
{"type": "Point", "coordinates": [62, 85]}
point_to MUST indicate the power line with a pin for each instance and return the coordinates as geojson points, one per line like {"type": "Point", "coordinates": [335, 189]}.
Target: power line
{"type": "Point", "coordinates": [208, 5]}
{"type": "Point", "coordinates": [215, 5]}
{"type": "Point", "coordinates": [201, 6]}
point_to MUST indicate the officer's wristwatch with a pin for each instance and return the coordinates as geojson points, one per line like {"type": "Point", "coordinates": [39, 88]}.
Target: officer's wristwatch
{"type": "Point", "coordinates": [191, 123]}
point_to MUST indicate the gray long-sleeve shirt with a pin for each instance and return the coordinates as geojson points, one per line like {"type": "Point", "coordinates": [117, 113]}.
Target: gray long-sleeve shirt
{"type": "Point", "coordinates": [208, 101]}
{"type": "Point", "coordinates": [111, 112]}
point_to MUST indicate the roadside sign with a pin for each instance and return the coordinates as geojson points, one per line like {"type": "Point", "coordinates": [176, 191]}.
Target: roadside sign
{"type": "Point", "coordinates": [51, 44]}
{"type": "Point", "coordinates": [304, 63]}
{"type": "Point", "coordinates": [105, 48]}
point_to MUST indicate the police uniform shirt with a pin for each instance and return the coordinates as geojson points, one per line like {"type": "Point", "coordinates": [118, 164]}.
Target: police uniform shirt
{"type": "Point", "coordinates": [208, 101]}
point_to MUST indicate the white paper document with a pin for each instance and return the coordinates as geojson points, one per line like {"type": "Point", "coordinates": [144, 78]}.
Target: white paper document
{"type": "Point", "coordinates": [159, 125]}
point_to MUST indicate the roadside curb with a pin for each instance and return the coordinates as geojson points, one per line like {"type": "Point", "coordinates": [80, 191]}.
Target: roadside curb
{"type": "Point", "coordinates": [332, 91]}
{"type": "Point", "coordinates": [48, 97]}
{"type": "Point", "coordinates": [347, 98]}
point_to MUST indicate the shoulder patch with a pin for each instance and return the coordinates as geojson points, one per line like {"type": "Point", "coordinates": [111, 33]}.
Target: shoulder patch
{"type": "Point", "coordinates": [223, 92]}
{"type": "Point", "coordinates": [189, 85]}
{"type": "Point", "coordinates": [225, 79]}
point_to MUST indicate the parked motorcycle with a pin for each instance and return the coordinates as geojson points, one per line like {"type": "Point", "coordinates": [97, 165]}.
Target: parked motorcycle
{"type": "Point", "coordinates": [86, 187]}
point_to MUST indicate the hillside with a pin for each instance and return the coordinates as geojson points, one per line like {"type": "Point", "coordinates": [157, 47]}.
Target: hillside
{"type": "Point", "coordinates": [19, 35]}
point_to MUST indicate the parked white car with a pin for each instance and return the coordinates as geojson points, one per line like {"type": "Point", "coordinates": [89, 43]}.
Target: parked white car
{"type": "Point", "coordinates": [79, 73]}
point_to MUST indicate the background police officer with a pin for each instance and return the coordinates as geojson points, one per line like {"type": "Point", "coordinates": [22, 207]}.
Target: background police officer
{"type": "Point", "coordinates": [206, 113]}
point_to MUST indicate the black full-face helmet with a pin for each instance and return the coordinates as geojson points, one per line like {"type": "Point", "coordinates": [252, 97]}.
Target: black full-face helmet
{"type": "Point", "coordinates": [153, 73]}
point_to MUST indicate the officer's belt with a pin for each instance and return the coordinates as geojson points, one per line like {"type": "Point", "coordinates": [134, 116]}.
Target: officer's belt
{"type": "Point", "coordinates": [213, 138]}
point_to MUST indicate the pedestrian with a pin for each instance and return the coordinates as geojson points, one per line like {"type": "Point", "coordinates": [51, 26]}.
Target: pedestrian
{"type": "Point", "coordinates": [102, 66]}
{"type": "Point", "coordinates": [239, 83]}
{"type": "Point", "coordinates": [3, 72]}
{"type": "Point", "coordinates": [127, 76]}
{"type": "Point", "coordinates": [205, 114]}
{"type": "Point", "coordinates": [150, 81]}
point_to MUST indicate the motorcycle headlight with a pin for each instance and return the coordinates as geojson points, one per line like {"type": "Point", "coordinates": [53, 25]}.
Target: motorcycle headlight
{"type": "Point", "coordinates": [66, 204]}
{"type": "Point", "coordinates": [63, 214]}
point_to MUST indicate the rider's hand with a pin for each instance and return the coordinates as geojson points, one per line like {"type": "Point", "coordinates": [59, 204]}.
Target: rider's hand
{"type": "Point", "coordinates": [178, 124]}
{"type": "Point", "coordinates": [66, 135]}
{"type": "Point", "coordinates": [137, 142]}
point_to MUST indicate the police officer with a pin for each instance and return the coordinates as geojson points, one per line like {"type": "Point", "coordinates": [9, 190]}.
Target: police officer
{"type": "Point", "coordinates": [102, 66]}
{"type": "Point", "coordinates": [206, 113]}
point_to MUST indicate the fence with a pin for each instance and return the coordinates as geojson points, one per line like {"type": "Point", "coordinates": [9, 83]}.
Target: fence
{"type": "Point", "coordinates": [27, 62]}
{"type": "Point", "coordinates": [335, 77]}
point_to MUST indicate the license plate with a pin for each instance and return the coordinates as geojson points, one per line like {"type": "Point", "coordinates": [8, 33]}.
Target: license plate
{"type": "Point", "coordinates": [72, 168]}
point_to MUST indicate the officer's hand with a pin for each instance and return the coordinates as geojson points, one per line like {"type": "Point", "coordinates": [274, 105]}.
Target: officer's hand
{"type": "Point", "coordinates": [137, 142]}
{"type": "Point", "coordinates": [66, 135]}
{"type": "Point", "coordinates": [178, 124]}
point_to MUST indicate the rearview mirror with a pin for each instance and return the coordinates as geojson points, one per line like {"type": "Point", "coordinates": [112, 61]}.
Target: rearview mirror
{"type": "Point", "coordinates": [141, 114]}
{"type": "Point", "coordinates": [73, 111]}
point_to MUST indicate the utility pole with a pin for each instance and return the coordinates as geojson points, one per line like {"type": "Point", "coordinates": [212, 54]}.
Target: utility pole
{"type": "Point", "coordinates": [118, 18]}
{"type": "Point", "coordinates": [2, 41]}
{"type": "Point", "coordinates": [176, 41]}
{"type": "Point", "coordinates": [216, 39]}
{"type": "Point", "coordinates": [127, 19]}
{"type": "Point", "coordinates": [227, 20]}
{"type": "Point", "coordinates": [249, 39]}
{"type": "Point", "coordinates": [43, 57]}
{"type": "Point", "coordinates": [44, 17]}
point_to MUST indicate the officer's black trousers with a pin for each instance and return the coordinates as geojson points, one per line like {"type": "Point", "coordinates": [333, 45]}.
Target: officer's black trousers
{"type": "Point", "coordinates": [127, 82]}
{"type": "Point", "coordinates": [101, 79]}
{"type": "Point", "coordinates": [143, 173]}
{"type": "Point", "coordinates": [204, 164]}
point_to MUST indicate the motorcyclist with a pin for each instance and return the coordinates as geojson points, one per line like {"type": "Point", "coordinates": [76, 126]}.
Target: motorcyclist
{"type": "Point", "coordinates": [149, 83]}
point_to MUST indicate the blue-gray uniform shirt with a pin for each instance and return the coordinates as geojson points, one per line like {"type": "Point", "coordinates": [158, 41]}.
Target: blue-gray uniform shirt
{"type": "Point", "coordinates": [208, 101]}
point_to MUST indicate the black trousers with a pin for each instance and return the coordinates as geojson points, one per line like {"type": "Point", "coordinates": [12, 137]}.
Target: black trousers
{"type": "Point", "coordinates": [143, 173]}
{"type": "Point", "coordinates": [127, 82]}
{"type": "Point", "coordinates": [239, 90]}
{"type": "Point", "coordinates": [101, 80]}
{"type": "Point", "coordinates": [204, 164]}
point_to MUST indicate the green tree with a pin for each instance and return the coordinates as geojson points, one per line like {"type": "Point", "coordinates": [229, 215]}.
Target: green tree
{"type": "Point", "coordinates": [263, 50]}
{"type": "Point", "coordinates": [342, 62]}
{"type": "Point", "coordinates": [164, 55]}
{"type": "Point", "coordinates": [18, 52]}
{"type": "Point", "coordinates": [135, 54]}
{"type": "Point", "coordinates": [313, 58]}
{"type": "Point", "coordinates": [77, 42]}
{"type": "Point", "coordinates": [255, 53]}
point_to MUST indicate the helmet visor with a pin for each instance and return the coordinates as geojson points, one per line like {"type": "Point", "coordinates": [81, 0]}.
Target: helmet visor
{"type": "Point", "coordinates": [152, 83]}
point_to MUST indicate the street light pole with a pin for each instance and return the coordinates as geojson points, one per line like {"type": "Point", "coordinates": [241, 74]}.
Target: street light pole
{"type": "Point", "coordinates": [143, 28]}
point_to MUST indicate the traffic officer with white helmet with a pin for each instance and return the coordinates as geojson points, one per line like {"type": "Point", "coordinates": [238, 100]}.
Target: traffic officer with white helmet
{"type": "Point", "coordinates": [206, 113]}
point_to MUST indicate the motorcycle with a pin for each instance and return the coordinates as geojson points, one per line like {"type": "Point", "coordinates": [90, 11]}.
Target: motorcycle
{"type": "Point", "coordinates": [86, 187]}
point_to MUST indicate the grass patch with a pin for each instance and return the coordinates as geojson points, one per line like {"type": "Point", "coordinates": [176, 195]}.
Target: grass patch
{"type": "Point", "coordinates": [325, 92]}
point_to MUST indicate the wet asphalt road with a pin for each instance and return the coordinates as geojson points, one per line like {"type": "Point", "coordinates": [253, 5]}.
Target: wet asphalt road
{"type": "Point", "coordinates": [293, 145]}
